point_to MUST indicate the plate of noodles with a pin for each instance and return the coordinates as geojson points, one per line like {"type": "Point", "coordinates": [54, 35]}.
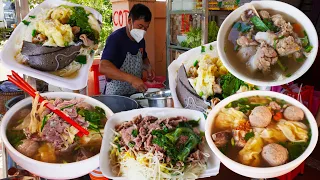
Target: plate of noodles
{"type": "Point", "coordinates": [157, 143]}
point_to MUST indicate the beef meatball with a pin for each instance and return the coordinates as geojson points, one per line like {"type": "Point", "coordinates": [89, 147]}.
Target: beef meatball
{"type": "Point", "coordinates": [293, 113]}
{"type": "Point", "coordinates": [28, 147]}
{"type": "Point", "coordinates": [260, 117]}
{"type": "Point", "coordinates": [275, 154]}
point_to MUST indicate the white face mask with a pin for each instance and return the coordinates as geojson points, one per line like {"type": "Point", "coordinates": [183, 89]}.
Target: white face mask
{"type": "Point", "coordinates": [137, 34]}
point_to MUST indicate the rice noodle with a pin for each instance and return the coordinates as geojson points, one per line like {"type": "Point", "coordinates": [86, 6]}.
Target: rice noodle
{"type": "Point", "coordinates": [33, 126]}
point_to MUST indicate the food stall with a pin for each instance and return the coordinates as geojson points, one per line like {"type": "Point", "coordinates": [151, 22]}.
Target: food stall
{"type": "Point", "coordinates": [231, 106]}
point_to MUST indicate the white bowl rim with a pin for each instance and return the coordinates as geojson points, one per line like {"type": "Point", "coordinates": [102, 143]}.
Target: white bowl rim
{"type": "Point", "coordinates": [298, 73]}
{"type": "Point", "coordinates": [11, 111]}
{"type": "Point", "coordinates": [261, 170]}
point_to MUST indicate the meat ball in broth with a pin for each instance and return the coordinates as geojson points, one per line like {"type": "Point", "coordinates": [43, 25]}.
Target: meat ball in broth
{"type": "Point", "coordinates": [275, 154]}
{"type": "Point", "coordinates": [260, 117]}
{"type": "Point", "coordinates": [293, 113]}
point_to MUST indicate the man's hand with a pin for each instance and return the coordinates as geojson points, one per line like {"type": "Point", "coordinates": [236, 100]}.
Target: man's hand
{"type": "Point", "coordinates": [138, 84]}
{"type": "Point", "coordinates": [150, 75]}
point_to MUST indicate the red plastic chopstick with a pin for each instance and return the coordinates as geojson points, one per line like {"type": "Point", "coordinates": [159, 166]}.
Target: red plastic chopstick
{"type": "Point", "coordinates": [22, 84]}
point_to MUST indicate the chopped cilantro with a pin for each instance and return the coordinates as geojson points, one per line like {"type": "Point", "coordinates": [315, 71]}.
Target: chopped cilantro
{"type": "Point", "coordinates": [25, 22]}
{"type": "Point", "coordinates": [248, 136]}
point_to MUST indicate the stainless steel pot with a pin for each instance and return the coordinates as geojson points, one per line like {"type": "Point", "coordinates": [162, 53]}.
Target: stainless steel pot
{"type": "Point", "coordinates": [160, 99]}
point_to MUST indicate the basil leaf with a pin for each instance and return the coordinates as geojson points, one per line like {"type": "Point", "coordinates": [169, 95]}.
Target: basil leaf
{"type": "Point", "coordinates": [258, 24]}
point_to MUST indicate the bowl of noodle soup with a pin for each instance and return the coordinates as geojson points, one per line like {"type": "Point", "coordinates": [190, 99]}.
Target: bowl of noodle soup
{"type": "Point", "coordinates": [54, 165]}
{"type": "Point", "coordinates": [251, 138]}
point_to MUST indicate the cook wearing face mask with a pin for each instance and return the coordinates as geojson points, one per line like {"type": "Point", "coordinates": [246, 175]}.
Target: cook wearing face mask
{"type": "Point", "coordinates": [124, 57]}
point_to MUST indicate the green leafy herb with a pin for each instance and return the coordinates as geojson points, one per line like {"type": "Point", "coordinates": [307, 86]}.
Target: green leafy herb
{"type": "Point", "coordinates": [168, 141]}
{"type": "Point", "coordinates": [195, 64]}
{"type": "Point", "coordinates": [213, 30]}
{"type": "Point", "coordinates": [131, 144]}
{"type": "Point", "coordinates": [201, 94]}
{"type": "Point", "coordinates": [32, 17]}
{"type": "Point", "coordinates": [300, 59]}
{"type": "Point", "coordinates": [82, 59]}
{"type": "Point", "coordinates": [211, 47]}
{"type": "Point", "coordinates": [15, 137]}
{"type": "Point", "coordinates": [134, 133]}
{"type": "Point", "coordinates": [25, 22]}
{"type": "Point", "coordinates": [248, 136]}
{"type": "Point", "coordinates": [308, 48]}
{"type": "Point", "coordinates": [236, 47]}
{"type": "Point", "coordinates": [34, 33]}
{"type": "Point", "coordinates": [93, 117]}
{"type": "Point", "coordinates": [268, 22]}
{"type": "Point", "coordinates": [288, 75]}
{"type": "Point", "coordinates": [275, 44]}
{"type": "Point", "coordinates": [203, 49]}
{"type": "Point", "coordinates": [281, 37]}
{"type": "Point", "coordinates": [66, 44]}
{"type": "Point", "coordinates": [282, 67]}
{"type": "Point", "coordinates": [205, 115]}
{"type": "Point", "coordinates": [119, 147]}
{"type": "Point", "coordinates": [194, 123]}
{"type": "Point", "coordinates": [242, 27]}
{"type": "Point", "coordinates": [80, 18]}
{"type": "Point", "coordinates": [258, 24]}
{"type": "Point", "coordinates": [224, 149]}
{"type": "Point", "coordinates": [230, 84]}
{"type": "Point", "coordinates": [44, 121]}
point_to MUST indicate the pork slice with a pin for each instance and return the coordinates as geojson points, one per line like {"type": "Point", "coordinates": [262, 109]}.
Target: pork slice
{"type": "Point", "coordinates": [221, 138]}
{"type": "Point", "coordinates": [274, 105]}
{"type": "Point", "coordinates": [278, 20]}
{"type": "Point", "coordinates": [28, 147]}
{"type": "Point", "coordinates": [287, 46]}
{"type": "Point", "coordinates": [264, 14]}
{"type": "Point", "coordinates": [244, 41]}
{"type": "Point", "coordinates": [265, 57]}
{"type": "Point", "coordinates": [238, 136]}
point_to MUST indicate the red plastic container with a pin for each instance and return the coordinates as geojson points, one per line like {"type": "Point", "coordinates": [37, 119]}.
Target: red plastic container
{"type": "Point", "coordinates": [158, 82]}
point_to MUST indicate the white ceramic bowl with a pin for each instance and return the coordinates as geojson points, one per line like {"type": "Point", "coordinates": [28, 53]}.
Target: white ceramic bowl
{"type": "Point", "coordinates": [285, 9]}
{"type": "Point", "coordinates": [50, 170]}
{"type": "Point", "coordinates": [255, 172]}
{"type": "Point", "coordinates": [213, 163]}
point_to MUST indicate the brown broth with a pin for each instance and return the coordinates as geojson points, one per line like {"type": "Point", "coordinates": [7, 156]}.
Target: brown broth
{"type": "Point", "coordinates": [91, 148]}
{"type": "Point", "coordinates": [242, 68]}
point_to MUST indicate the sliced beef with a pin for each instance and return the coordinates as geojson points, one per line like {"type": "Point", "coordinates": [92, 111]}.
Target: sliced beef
{"type": "Point", "coordinates": [245, 41]}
